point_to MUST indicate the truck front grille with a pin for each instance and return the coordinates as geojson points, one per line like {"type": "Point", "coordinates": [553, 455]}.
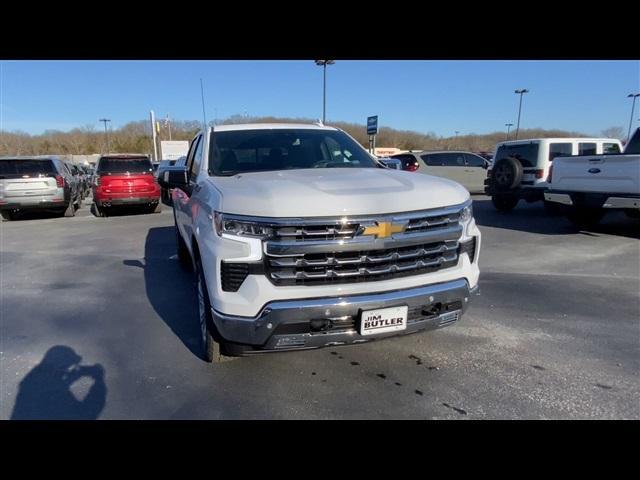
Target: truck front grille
{"type": "Point", "coordinates": [312, 251]}
{"type": "Point", "coordinates": [362, 266]}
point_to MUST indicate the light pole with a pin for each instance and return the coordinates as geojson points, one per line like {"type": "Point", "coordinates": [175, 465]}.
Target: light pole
{"type": "Point", "coordinates": [168, 123]}
{"type": "Point", "coordinates": [324, 64]}
{"type": "Point", "coordinates": [520, 92]}
{"type": "Point", "coordinates": [508, 125]}
{"type": "Point", "coordinates": [106, 133]}
{"type": "Point", "coordinates": [633, 106]}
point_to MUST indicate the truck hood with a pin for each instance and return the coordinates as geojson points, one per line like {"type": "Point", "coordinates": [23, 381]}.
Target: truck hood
{"type": "Point", "coordinates": [335, 191]}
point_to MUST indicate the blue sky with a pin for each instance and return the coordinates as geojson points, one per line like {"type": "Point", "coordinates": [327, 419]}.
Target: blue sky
{"type": "Point", "coordinates": [426, 96]}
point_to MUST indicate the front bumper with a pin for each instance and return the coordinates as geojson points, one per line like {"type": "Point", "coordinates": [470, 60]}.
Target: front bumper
{"type": "Point", "coordinates": [595, 199]}
{"type": "Point", "coordinates": [286, 325]}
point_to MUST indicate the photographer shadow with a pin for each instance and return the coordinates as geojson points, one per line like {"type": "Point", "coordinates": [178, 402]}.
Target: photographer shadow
{"type": "Point", "coordinates": [45, 392]}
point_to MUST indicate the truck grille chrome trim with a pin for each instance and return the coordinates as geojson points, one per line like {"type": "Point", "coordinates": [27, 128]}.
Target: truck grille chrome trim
{"type": "Point", "coordinates": [347, 250]}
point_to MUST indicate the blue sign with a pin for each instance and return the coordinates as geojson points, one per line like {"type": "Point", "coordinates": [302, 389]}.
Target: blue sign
{"type": "Point", "coordinates": [372, 125]}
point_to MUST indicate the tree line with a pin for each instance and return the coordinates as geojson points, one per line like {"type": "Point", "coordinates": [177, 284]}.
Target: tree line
{"type": "Point", "coordinates": [135, 137]}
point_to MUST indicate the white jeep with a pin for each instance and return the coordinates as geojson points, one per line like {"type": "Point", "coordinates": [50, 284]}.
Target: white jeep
{"type": "Point", "coordinates": [521, 167]}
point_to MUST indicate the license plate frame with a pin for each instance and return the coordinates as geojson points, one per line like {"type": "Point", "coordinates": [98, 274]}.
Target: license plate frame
{"type": "Point", "coordinates": [383, 320]}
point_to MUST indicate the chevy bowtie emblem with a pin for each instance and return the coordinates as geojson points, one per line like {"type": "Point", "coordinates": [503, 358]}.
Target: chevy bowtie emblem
{"type": "Point", "coordinates": [384, 229]}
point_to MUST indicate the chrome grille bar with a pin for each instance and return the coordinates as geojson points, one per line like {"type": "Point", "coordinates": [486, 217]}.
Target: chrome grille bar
{"type": "Point", "coordinates": [331, 273]}
{"type": "Point", "coordinates": [329, 260]}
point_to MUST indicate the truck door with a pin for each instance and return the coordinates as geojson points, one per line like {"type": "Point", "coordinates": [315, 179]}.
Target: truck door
{"type": "Point", "coordinates": [181, 198]}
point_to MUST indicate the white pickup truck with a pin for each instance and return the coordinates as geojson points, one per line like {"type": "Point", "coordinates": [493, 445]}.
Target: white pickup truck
{"type": "Point", "coordinates": [300, 239]}
{"type": "Point", "coordinates": [589, 186]}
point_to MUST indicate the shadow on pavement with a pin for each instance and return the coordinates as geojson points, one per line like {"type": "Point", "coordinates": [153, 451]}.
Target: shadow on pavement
{"type": "Point", "coordinates": [533, 218]}
{"type": "Point", "coordinates": [45, 392]}
{"type": "Point", "coordinates": [170, 288]}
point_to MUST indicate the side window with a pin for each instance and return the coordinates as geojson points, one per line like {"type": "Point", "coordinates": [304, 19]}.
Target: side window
{"type": "Point", "coordinates": [474, 161]}
{"type": "Point", "coordinates": [192, 149]}
{"type": "Point", "coordinates": [447, 159]}
{"type": "Point", "coordinates": [586, 148]}
{"type": "Point", "coordinates": [559, 150]}
{"type": "Point", "coordinates": [195, 160]}
{"type": "Point", "coordinates": [431, 160]}
{"type": "Point", "coordinates": [610, 148]}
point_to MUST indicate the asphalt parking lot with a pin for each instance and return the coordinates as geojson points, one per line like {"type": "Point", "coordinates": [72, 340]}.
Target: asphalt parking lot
{"type": "Point", "coordinates": [554, 333]}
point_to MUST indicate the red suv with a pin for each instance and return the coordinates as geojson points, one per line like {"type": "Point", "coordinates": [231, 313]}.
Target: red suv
{"type": "Point", "coordinates": [125, 180]}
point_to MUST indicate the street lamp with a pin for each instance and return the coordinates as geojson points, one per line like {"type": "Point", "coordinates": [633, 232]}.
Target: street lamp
{"type": "Point", "coordinates": [520, 92]}
{"type": "Point", "coordinates": [106, 133]}
{"type": "Point", "coordinates": [633, 106]}
{"type": "Point", "coordinates": [508, 125]}
{"type": "Point", "coordinates": [324, 64]}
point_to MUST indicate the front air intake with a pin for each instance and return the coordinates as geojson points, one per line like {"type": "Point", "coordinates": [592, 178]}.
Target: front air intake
{"type": "Point", "coordinates": [232, 275]}
{"type": "Point", "coordinates": [468, 247]}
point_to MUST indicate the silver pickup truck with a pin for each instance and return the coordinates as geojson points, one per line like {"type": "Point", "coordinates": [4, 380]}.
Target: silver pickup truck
{"type": "Point", "coordinates": [300, 239]}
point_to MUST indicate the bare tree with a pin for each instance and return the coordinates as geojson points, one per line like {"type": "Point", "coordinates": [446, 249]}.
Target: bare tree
{"type": "Point", "coordinates": [614, 132]}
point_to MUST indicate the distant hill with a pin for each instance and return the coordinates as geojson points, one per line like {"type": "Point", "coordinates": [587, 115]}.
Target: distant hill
{"type": "Point", "coordinates": [136, 137]}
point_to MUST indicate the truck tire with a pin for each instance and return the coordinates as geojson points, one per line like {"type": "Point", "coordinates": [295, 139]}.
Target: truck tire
{"type": "Point", "coordinates": [8, 215]}
{"type": "Point", "coordinates": [213, 348]}
{"type": "Point", "coordinates": [506, 174]}
{"type": "Point", "coordinates": [585, 216]}
{"type": "Point", "coordinates": [504, 202]}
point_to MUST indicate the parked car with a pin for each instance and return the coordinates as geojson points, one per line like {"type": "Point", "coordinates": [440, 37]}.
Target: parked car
{"type": "Point", "coordinates": [125, 180]}
{"type": "Point", "coordinates": [521, 167]}
{"type": "Point", "coordinates": [466, 168]}
{"type": "Point", "coordinates": [392, 163]}
{"type": "Point", "coordinates": [37, 183]}
{"type": "Point", "coordinates": [300, 239]}
{"type": "Point", "coordinates": [81, 178]}
{"type": "Point", "coordinates": [88, 178]}
{"type": "Point", "coordinates": [589, 186]}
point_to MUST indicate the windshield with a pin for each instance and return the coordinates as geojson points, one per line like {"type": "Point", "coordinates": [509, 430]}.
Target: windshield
{"type": "Point", "coordinates": [124, 165]}
{"type": "Point", "coordinates": [243, 151]}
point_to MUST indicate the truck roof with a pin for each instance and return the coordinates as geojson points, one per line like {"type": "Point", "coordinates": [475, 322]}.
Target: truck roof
{"type": "Point", "coordinates": [559, 139]}
{"type": "Point", "coordinates": [271, 126]}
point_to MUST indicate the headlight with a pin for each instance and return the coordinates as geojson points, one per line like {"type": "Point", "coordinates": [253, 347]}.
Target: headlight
{"type": "Point", "coordinates": [467, 213]}
{"type": "Point", "coordinates": [236, 225]}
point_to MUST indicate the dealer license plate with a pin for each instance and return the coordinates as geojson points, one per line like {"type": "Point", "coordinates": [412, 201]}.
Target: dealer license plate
{"type": "Point", "coordinates": [383, 320]}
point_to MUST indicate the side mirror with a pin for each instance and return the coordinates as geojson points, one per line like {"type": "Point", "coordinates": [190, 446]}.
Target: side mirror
{"type": "Point", "coordinates": [173, 177]}
{"type": "Point", "coordinates": [392, 163]}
